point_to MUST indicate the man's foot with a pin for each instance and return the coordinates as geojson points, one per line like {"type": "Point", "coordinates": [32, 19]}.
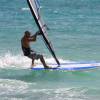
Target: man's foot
{"type": "Point", "coordinates": [32, 66]}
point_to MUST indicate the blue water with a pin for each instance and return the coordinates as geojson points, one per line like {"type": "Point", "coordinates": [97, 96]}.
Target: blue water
{"type": "Point", "coordinates": [74, 32]}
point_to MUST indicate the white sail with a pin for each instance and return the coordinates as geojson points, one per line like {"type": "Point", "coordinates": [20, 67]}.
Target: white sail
{"type": "Point", "coordinates": [35, 10]}
{"type": "Point", "coordinates": [36, 7]}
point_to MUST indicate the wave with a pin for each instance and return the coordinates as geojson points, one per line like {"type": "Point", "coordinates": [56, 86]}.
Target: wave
{"type": "Point", "coordinates": [20, 61]}
{"type": "Point", "coordinates": [25, 91]}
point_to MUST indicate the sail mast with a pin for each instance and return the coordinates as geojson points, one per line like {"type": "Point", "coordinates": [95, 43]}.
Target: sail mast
{"type": "Point", "coordinates": [37, 19]}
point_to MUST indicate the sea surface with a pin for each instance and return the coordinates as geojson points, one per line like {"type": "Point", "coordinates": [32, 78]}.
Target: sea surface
{"type": "Point", "coordinates": [74, 30]}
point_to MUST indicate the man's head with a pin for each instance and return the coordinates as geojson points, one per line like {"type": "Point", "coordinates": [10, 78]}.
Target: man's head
{"type": "Point", "coordinates": [27, 33]}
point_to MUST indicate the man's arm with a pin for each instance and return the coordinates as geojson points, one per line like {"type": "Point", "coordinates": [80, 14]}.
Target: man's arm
{"type": "Point", "coordinates": [33, 37]}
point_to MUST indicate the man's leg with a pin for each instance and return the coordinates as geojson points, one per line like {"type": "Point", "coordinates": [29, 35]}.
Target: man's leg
{"type": "Point", "coordinates": [31, 56]}
{"type": "Point", "coordinates": [43, 61]}
{"type": "Point", "coordinates": [38, 56]}
{"type": "Point", "coordinates": [32, 62]}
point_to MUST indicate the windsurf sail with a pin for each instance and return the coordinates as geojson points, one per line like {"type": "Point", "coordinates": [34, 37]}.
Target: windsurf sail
{"type": "Point", "coordinates": [35, 10]}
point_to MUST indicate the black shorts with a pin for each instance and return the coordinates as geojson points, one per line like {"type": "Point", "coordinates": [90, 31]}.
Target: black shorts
{"type": "Point", "coordinates": [31, 54]}
{"type": "Point", "coordinates": [34, 55]}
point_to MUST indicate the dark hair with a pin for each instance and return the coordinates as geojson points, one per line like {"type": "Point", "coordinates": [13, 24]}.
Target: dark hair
{"type": "Point", "coordinates": [27, 33]}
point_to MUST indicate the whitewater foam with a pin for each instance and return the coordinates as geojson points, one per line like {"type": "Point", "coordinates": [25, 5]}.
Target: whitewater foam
{"type": "Point", "coordinates": [9, 60]}
{"type": "Point", "coordinates": [20, 61]}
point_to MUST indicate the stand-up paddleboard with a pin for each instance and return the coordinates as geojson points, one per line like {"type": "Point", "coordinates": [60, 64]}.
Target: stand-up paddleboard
{"type": "Point", "coordinates": [69, 66]}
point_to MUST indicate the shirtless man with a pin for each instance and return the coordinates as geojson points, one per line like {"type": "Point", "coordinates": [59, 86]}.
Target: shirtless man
{"type": "Point", "coordinates": [25, 43]}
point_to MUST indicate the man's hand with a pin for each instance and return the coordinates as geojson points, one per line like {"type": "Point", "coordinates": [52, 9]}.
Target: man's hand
{"type": "Point", "coordinates": [38, 33]}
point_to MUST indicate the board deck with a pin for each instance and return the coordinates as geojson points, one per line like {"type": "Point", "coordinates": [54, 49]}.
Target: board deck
{"type": "Point", "coordinates": [69, 66]}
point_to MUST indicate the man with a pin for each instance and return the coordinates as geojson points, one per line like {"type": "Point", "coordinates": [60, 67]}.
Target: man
{"type": "Point", "coordinates": [25, 43]}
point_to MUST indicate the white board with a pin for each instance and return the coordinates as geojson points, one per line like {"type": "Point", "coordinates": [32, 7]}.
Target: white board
{"type": "Point", "coordinates": [69, 66]}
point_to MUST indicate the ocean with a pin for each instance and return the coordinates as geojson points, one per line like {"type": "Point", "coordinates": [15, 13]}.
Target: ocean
{"type": "Point", "coordinates": [74, 30]}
